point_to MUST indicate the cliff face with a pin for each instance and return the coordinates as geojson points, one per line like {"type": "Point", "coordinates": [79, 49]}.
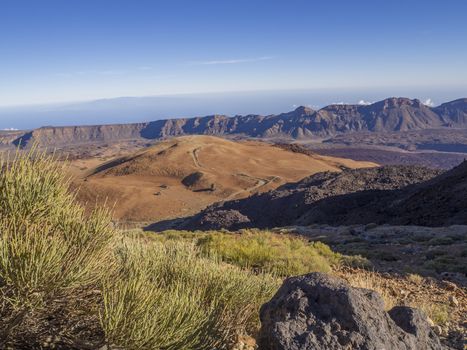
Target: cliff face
{"type": "Point", "coordinates": [389, 115]}
{"type": "Point", "coordinates": [80, 134]}
{"type": "Point", "coordinates": [454, 112]}
{"type": "Point", "coordinates": [7, 137]}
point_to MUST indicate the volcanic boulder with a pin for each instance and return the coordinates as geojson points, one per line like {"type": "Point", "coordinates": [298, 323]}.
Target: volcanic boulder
{"type": "Point", "coordinates": [317, 311]}
{"type": "Point", "coordinates": [226, 218]}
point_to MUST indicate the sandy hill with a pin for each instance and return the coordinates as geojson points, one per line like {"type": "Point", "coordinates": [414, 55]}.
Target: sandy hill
{"type": "Point", "coordinates": [181, 176]}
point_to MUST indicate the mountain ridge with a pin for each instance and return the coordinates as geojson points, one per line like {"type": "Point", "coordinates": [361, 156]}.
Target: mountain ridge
{"type": "Point", "coordinates": [388, 115]}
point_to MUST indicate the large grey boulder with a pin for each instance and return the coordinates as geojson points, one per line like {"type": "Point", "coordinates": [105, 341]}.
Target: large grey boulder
{"type": "Point", "coordinates": [320, 312]}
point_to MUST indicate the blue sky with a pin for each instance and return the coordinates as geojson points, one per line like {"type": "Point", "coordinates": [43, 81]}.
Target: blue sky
{"type": "Point", "coordinates": [74, 50]}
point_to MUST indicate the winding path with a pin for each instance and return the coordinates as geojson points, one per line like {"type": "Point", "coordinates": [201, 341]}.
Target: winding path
{"type": "Point", "coordinates": [194, 155]}
{"type": "Point", "coordinates": [260, 183]}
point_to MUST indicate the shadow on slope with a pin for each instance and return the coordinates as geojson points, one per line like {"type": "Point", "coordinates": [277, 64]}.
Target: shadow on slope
{"type": "Point", "coordinates": [352, 196]}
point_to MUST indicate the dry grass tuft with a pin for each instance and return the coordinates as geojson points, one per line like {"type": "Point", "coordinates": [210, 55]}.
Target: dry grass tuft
{"type": "Point", "coordinates": [261, 250]}
{"type": "Point", "coordinates": [374, 282]}
{"type": "Point", "coordinates": [166, 296]}
{"type": "Point", "coordinates": [48, 246]}
{"type": "Point", "coordinates": [414, 291]}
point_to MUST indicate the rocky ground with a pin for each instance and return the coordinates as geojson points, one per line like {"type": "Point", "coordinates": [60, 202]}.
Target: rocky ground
{"type": "Point", "coordinates": [317, 311]}
{"type": "Point", "coordinates": [412, 266]}
{"type": "Point", "coordinates": [443, 301]}
{"type": "Point", "coordinates": [389, 155]}
{"type": "Point", "coordinates": [398, 195]}
{"type": "Point", "coordinates": [444, 140]}
{"type": "Point", "coordinates": [293, 201]}
{"type": "Point", "coordinates": [430, 251]}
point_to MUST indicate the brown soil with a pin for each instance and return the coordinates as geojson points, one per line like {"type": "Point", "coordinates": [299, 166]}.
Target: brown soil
{"type": "Point", "coordinates": [181, 176]}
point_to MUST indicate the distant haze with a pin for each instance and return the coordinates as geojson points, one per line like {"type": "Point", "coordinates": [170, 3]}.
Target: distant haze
{"type": "Point", "coordinates": [139, 109]}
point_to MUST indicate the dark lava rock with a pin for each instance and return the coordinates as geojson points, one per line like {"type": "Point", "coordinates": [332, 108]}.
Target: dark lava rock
{"type": "Point", "coordinates": [224, 218]}
{"type": "Point", "coordinates": [415, 322]}
{"type": "Point", "coordinates": [326, 197]}
{"type": "Point", "coordinates": [320, 312]}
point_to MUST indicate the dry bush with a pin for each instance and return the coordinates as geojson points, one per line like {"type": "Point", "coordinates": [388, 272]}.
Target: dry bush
{"type": "Point", "coordinates": [261, 250]}
{"type": "Point", "coordinates": [166, 296]}
{"type": "Point", "coordinates": [411, 291]}
{"type": "Point", "coordinates": [374, 282]}
{"type": "Point", "coordinates": [48, 246]}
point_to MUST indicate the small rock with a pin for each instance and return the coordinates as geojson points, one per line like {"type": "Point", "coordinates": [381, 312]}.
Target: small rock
{"type": "Point", "coordinates": [248, 341]}
{"type": "Point", "coordinates": [449, 285]}
{"type": "Point", "coordinates": [453, 301]}
{"type": "Point", "coordinates": [438, 330]}
{"type": "Point", "coordinates": [404, 293]}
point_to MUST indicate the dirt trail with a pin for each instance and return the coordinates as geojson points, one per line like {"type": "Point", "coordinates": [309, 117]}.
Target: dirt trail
{"type": "Point", "coordinates": [194, 155]}
{"type": "Point", "coordinates": [260, 183]}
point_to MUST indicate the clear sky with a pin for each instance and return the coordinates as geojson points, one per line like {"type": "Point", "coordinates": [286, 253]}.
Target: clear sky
{"type": "Point", "coordinates": [72, 50]}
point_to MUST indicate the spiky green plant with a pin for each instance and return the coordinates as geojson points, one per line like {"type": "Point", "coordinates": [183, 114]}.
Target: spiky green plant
{"type": "Point", "coordinates": [48, 245]}
{"type": "Point", "coordinates": [166, 296]}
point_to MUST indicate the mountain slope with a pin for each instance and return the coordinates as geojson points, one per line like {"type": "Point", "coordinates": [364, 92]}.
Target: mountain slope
{"type": "Point", "coordinates": [389, 115]}
{"type": "Point", "coordinates": [183, 175]}
{"type": "Point", "coordinates": [454, 112]}
{"type": "Point", "coordinates": [438, 202]}
{"type": "Point", "coordinates": [323, 198]}
{"type": "Point", "coordinates": [441, 201]}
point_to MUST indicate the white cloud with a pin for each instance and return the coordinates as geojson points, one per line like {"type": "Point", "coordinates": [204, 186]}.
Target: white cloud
{"type": "Point", "coordinates": [364, 103]}
{"type": "Point", "coordinates": [10, 129]}
{"type": "Point", "coordinates": [234, 61]}
{"type": "Point", "coordinates": [429, 102]}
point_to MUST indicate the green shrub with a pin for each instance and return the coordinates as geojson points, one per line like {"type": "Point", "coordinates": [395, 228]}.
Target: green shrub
{"type": "Point", "coordinates": [47, 244]}
{"type": "Point", "coordinates": [264, 251]}
{"type": "Point", "coordinates": [283, 255]}
{"type": "Point", "coordinates": [441, 241]}
{"type": "Point", "coordinates": [165, 296]}
{"type": "Point", "coordinates": [259, 250]}
{"type": "Point", "coordinates": [446, 263]}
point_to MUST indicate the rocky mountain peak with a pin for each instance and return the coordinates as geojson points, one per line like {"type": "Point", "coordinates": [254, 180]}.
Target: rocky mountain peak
{"type": "Point", "coordinates": [397, 102]}
{"type": "Point", "coordinates": [459, 103]}
{"type": "Point", "coordinates": [304, 110]}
